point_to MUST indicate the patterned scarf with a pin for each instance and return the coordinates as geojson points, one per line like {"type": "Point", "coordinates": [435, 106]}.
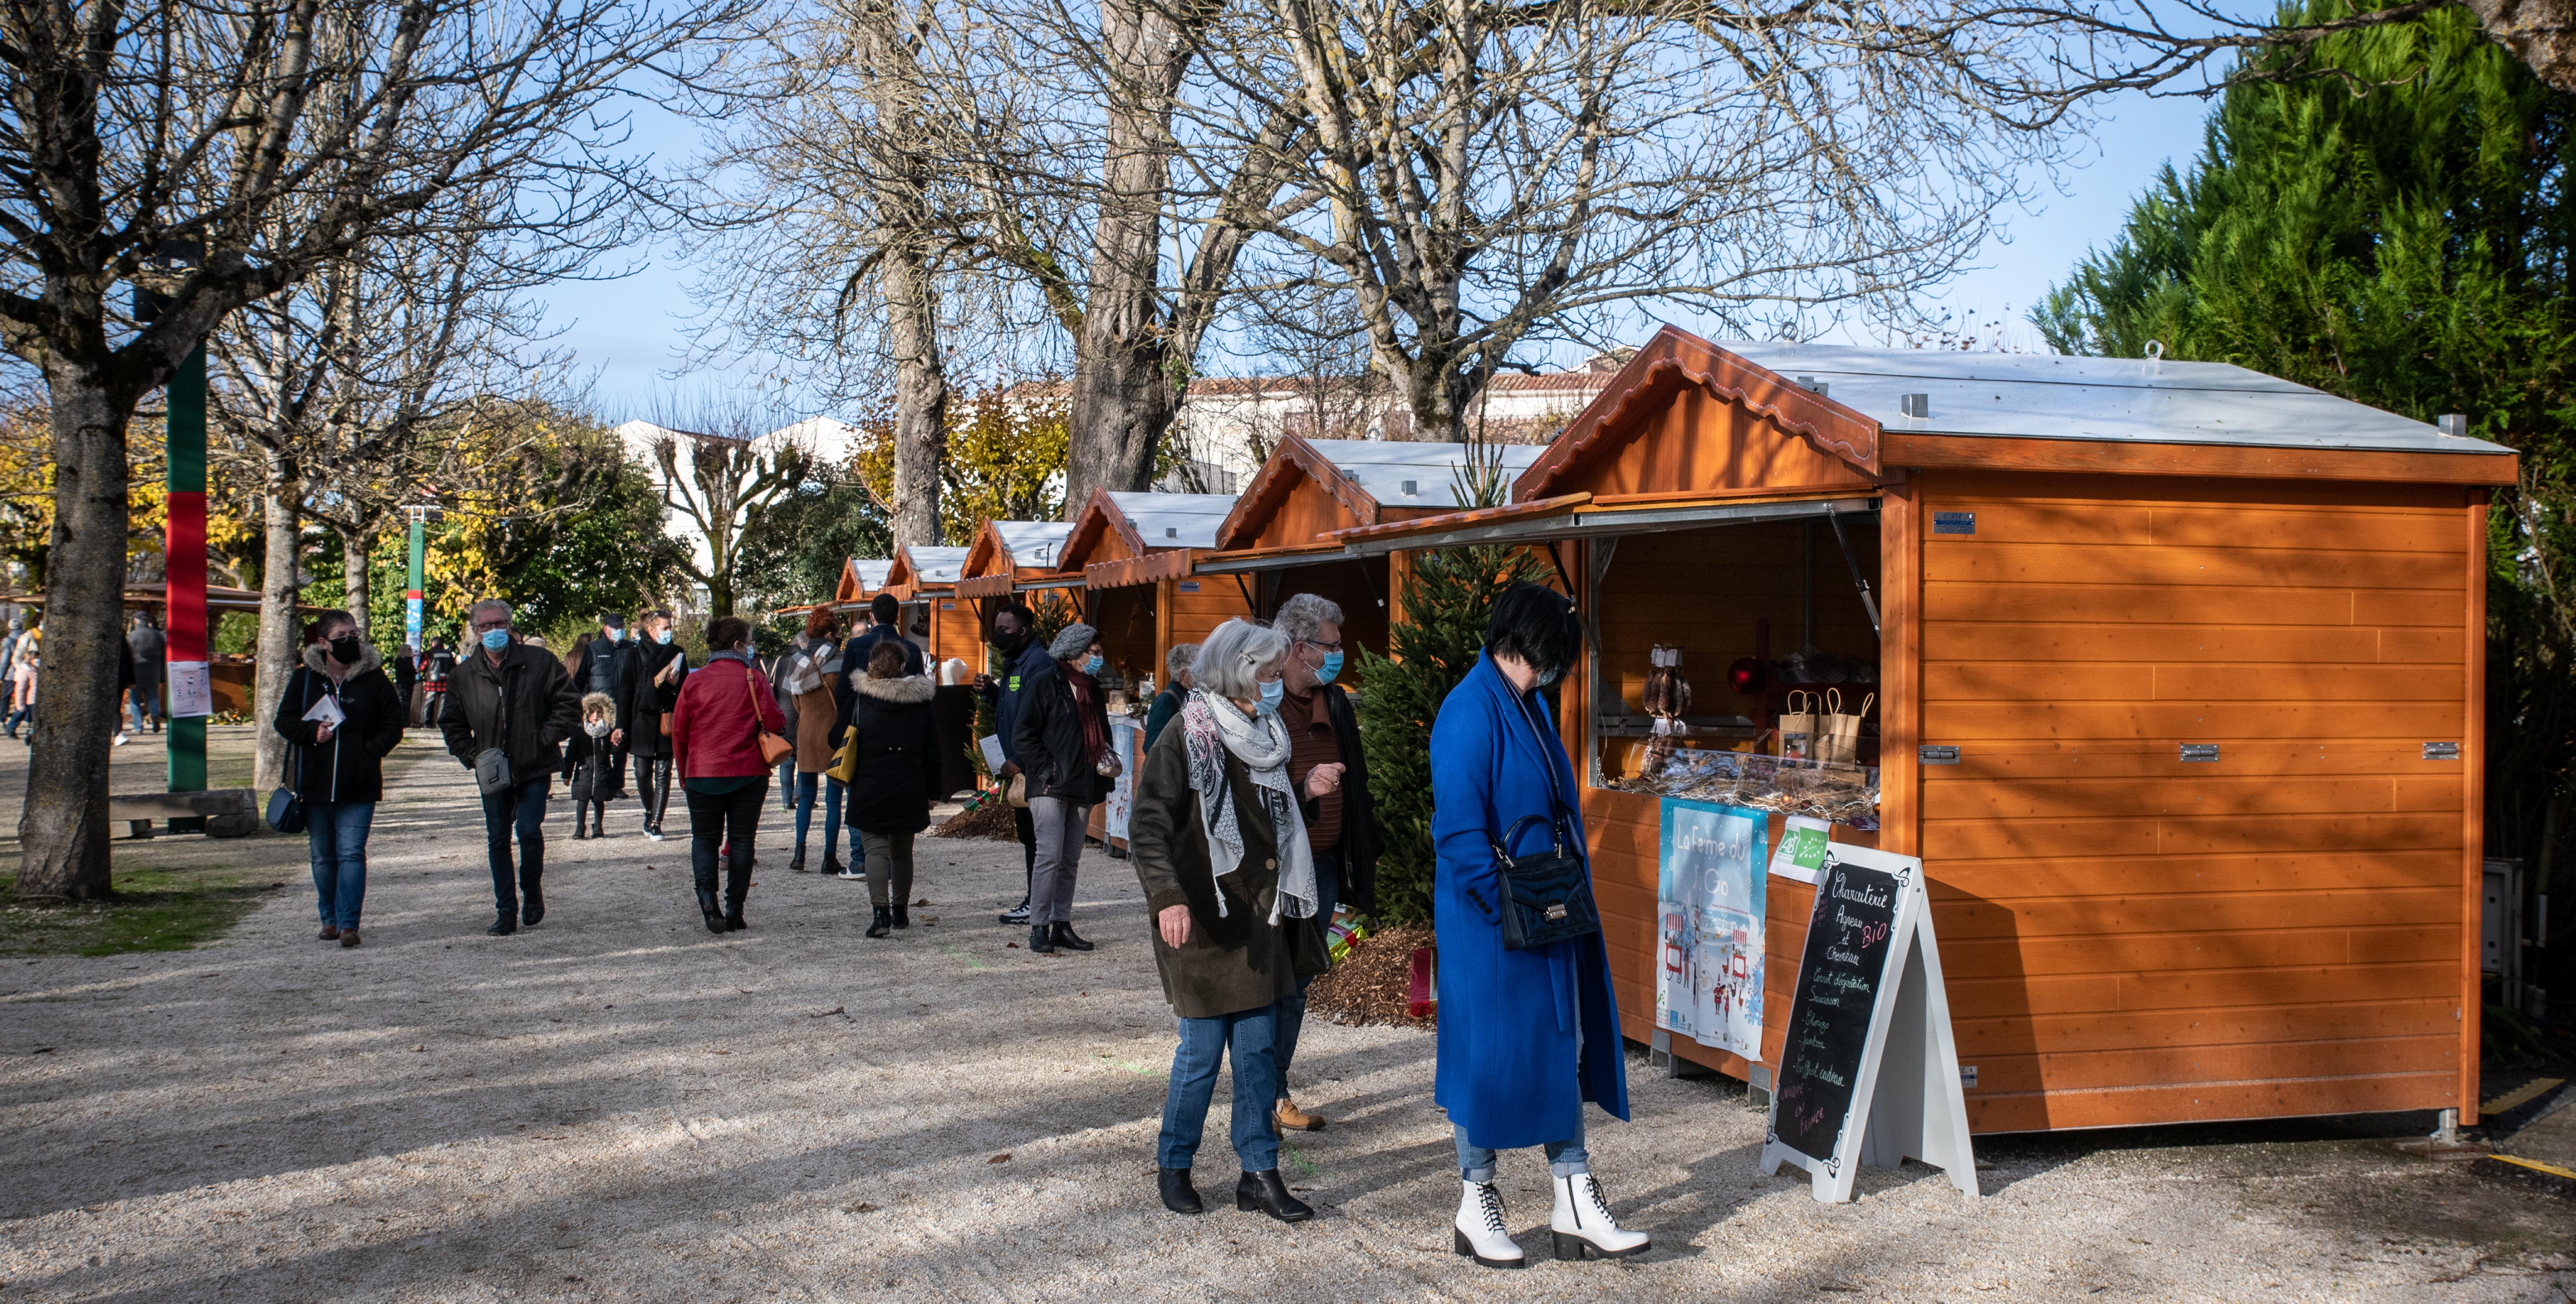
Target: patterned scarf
{"type": "Point", "coordinates": [1212, 726]}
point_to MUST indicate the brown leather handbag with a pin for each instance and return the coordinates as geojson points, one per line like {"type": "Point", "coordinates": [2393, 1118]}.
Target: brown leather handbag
{"type": "Point", "coordinates": [773, 748]}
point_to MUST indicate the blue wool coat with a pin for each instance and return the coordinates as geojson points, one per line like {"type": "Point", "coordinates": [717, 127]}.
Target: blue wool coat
{"type": "Point", "coordinates": [1525, 1036]}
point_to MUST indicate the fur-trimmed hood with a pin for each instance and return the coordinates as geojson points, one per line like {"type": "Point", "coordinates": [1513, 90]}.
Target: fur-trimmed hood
{"type": "Point", "coordinates": [909, 690]}
{"type": "Point", "coordinates": [318, 656]}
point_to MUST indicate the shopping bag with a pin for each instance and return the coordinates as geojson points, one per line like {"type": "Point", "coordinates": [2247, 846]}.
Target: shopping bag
{"type": "Point", "coordinates": [1798, 726]}
{"type": "Point", "coordinates": [1837, 734]}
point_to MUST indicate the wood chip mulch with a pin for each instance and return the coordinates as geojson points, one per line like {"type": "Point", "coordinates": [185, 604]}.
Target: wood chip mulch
{"type": "Point", "coordinates": [1374, 985]}
{"type": "Point", "coordinates": [991, 821]}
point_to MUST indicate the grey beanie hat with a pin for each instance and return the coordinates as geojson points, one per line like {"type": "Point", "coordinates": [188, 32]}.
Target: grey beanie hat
{"type": "Point", "coordinates": [1071, 642]}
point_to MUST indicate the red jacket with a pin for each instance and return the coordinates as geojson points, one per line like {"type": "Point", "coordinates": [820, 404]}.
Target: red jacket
{"type": "Point", "coordinates": [711, 730]}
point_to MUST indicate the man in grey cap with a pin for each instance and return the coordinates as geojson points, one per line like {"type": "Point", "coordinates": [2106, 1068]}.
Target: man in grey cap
{"type": "Point", "coordinates": [1061, 741]}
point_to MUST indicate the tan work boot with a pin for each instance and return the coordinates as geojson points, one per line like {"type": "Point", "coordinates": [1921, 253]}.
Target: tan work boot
{"type": "Point", "coordinates": [1292, 1119]}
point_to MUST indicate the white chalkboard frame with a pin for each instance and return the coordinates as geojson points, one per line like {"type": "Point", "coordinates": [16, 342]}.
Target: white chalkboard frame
{"type": "Point", "coordinates": [1908, 1101]}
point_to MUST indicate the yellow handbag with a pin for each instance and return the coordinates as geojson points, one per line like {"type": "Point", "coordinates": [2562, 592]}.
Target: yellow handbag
{"type": "Point", "coordinates": [845, 762]}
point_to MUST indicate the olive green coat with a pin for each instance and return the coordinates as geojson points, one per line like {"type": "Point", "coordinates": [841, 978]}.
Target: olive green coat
{"type": "Point", "coordinates": [1240, 961]}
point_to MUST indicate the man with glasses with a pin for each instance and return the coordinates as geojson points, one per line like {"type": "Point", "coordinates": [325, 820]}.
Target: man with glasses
{"type": "Point", "coordinates": [509, 697]}
{"type": "Point", "coordinates": [1341, 825]}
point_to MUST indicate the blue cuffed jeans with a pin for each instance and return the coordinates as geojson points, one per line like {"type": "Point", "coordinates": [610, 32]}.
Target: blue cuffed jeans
{"type": "Point", "coordinates": [1193, 1086]}
{"type": "Point", "coordinates": [1292, 1011]}
{"type": "Point", "coordinates": [832, 789]}
{"type": "Point", "coordinates": [336, 832]}
{"type": "Point", "coordinates": [1564, 1158]}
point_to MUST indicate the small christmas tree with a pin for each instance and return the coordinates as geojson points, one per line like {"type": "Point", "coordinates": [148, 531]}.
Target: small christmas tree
{"type": "Point", "coordinates": [1447, 600]}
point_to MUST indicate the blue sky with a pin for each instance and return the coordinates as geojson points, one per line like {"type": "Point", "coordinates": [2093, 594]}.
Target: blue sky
{"type": "Point", "coordinates": [631, 331]}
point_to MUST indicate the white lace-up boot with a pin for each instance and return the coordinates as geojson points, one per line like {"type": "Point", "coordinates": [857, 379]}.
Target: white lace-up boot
{"type": "Point", "coordinates": [1479, 1231]}
{"type": "Point", "coordinates": [1582, 1223]}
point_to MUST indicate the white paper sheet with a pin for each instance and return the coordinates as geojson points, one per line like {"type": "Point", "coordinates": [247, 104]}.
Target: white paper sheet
{"type": "Point", "coordinates": [192, 690]}
{"type": "Point", "coordinates": [326, 709]}
{"type": "Point", "coordinates": [992, 747]}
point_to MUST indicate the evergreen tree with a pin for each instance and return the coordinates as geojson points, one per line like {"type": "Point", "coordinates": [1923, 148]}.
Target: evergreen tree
{"type": "Point", "coordinates": [2397, 232]}
{"type": "Point", "coordinates": [1446, 602]}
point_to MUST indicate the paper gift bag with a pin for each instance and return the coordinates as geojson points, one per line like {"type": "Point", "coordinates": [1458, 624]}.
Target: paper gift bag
{"type": "Point", "coordinates": [1798, 726]}
{"type": "Point", "coordinates": [1837, 734]}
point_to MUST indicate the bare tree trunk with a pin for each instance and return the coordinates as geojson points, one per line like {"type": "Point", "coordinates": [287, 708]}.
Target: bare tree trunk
{"type": "Point", "coordinates": [62, 829]}
{"type": "Point", "coordinates": [920, 393]}
{"type": "Point", "coordinates": [278, 645]}
{"type": "Point", "coordinates": [354, 547]}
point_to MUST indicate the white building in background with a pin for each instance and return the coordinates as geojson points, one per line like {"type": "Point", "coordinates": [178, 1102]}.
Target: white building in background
{"type": "Point", "coordinates": [821, 438]}
{"type": "Point", "coordinates": [1228, 424]}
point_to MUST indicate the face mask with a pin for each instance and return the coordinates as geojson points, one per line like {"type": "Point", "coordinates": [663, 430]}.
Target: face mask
{"type": "Point", "coordinates": [596, 728]}
{"type": "Point", "coordinates": [662, 636]}
{"type": "Point", "coordinates": [496, 639]}
{"type": "Point", "coordinates": [1091, 664]}
{"type": "Point", "coordinates": [1332, 666]}
{"type": "Point", "coordinates": [1010, 644]}
{"type": "Point", "coordinates": [345, 650]}
{"type": "Point", "coordinates": [1547, 677]}
{"type": "Point", "coordinates": [1272, 692]}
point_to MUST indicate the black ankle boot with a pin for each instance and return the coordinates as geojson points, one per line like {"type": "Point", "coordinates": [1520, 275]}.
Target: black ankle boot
{"type": "Point", "coordinates": [882, 924]}
{"type": "Point", "coordinates": [796, 863]}
{"type": "Point", "coordinates": [707, 906]}
{"type": "Point", "coordinates": [532, 905]}
{"type": "Point", "coordinates": [579, 828]}
{"type": "Point", "coordinates": [1178, 1195]}
{"type": "Point", "coordinates": [903, 916]}
{"type": "Point", "coordinates": [1065, 940]}
{"type": "Point", "coordinates": [1264, 1191]}
{"type": "Point", "coordinates": [503, 926]}
{"type": "Point", "coordinates": [733, 920]}
{"type": "Point", "coordinates": [1041, 939]}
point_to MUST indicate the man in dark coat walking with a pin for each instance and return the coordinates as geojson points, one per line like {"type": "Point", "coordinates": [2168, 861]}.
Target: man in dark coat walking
{"type": "Point", "coordinates": [509, 696]}
{"type": "Point", "coordinates": [1023, 660]}
{"type": "Point", "coordinates": [652, 689]}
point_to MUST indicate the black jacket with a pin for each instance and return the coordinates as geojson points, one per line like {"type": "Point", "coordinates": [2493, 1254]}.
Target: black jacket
{"type": "Point", "coordinates": [642, 705]}
{"type": "Point", "coordinates": [405, 677]}
{"type": "Point", "coordinates": [350, 767]}
{"type": "Point", "coordinates": [854, 666]}
{"type": "Point", "coordinates": [1361, 837]}
{"type": "Point", "coordinates": [1047, 738]}
{"type": "Point", "coordinates": [898, 773]}
{"type": "Point", "coordinates": [540, 712]}
{"type": "Point", "coordinates": [605, 667]}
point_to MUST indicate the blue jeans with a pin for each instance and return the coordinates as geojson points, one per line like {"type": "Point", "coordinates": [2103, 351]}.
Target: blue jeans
{"type": "Point", "coordinates": [832, 789]}
{"type": "Point", "coordinates": [1564, 1158]}
{"type": "Point", "coordinates": [1193, 1085]}
{"type": "Point", "coordinates": [787, 780]}
{"type": "Point", "coordinates": [519, 808]}
{"type": "Point", "coordinates": [1292, 1011]}
{"type": "Point", "coordinates": [336, 831]}
{"type": "Point", "coordinates": [143, 706]}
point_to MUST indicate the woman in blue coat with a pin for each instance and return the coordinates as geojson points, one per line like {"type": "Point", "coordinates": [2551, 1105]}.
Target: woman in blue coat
{"type": "Point", "coordinates": [1526, 1037]}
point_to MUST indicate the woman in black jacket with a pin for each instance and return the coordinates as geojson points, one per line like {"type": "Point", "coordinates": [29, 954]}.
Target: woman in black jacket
{"type": "Point", "coordinates": [340, 716]}
{"type": "Point", "coordinates": [1062, 741]}
{"type": "Point", "coordinates": [897, 777]}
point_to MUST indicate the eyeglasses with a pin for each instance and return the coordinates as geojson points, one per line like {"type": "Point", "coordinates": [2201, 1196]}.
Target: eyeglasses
{"type": "Point", "coordinates": [1334, 646]}
{"type": "Point", "coordinates": [484, 626]}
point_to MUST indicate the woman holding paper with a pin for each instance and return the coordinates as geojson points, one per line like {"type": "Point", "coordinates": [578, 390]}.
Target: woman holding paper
{"type": "Point", "coordinates": [1526, 1036]}
{"type": "Point", "coordinates": [340, 716]}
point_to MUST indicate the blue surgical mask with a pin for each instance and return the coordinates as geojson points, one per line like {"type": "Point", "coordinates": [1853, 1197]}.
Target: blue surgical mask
{"type": "Point", "coordinates": [1547, 677]}
{"type": "Point", "coordinates": [663, 636]}
{"type": "Point", "coordinates": [1091, 664]}
{"type": "Point", "coordinates": [496, 639]}
{"type": "Point", "coordinates": [1332, 666]}
{"type": "Point", "coordinates": [1273, 691]}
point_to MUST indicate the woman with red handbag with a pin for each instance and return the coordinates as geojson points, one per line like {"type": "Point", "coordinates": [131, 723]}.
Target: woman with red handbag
{"type": "Point", "coordinates": [727, 733]}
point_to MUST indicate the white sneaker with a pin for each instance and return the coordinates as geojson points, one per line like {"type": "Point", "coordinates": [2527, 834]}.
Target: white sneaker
{"type": "Point", "coordinates": [852, 871]}
{"type": "Point", "coordinates": [120, 740]}
{"type": "Point", "coordinates": [1479, 1233]}
{"type": "Point", "coordinates": [654, 834]}
{"type": "Point", "coordinates": [1582, 1223]}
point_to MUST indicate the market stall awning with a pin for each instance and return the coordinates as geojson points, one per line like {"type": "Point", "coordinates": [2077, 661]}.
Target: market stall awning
{"type": "Point", "coordinates": [1271, 559]}
{"type": "Point", "coordinates": [1580, 516]}
{"type": "Point", "coordinates": [1127, 572]}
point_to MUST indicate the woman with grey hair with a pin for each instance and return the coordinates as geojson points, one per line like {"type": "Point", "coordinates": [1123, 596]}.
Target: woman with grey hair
{"type": "Point", "coordinates": [1221, 852]}
{"type": "Point", "coordinates": [1176, 690]}
{"type": "Point", "coordinates": [1061, 740]}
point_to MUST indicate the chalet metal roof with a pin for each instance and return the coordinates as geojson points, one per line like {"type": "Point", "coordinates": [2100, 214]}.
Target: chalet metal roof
{"type": "Point", "coordinates": [1031, 543]}
{"type": "Point", "coordinates": [871, 571]}
{"type": "Point", "coordinates": [1381, 467]}
{"type": "Point", "coordinates": [2052, 396]}
{"type": "Point", "coordinates": [937, 565]}
{"type": "Point", "coordinates": [1175, 520]}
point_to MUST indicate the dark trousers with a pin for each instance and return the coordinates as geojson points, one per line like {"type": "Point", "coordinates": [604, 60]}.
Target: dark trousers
{"type": "Point", "coordinates": [730, 819]}
{"type": "Point", "coordinates": [1292, 1011]}
{"type": "Point", "coordinates": [519, 808]}
{"type": "Point", "coordinates": [1027, 827]}
{"type": "Point", "coordinates": [653, 788]}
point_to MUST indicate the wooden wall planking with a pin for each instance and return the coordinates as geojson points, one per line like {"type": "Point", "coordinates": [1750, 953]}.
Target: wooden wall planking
{"type": "Point", "coordinates": [2131, 938]}
{"type": "Point", "coordinates": [1699, 443]}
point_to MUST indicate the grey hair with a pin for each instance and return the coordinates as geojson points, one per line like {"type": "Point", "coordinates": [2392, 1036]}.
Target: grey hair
{"type": "Point", "coordinates": [1227, 664]}
{"type": "Point", "coordinates": [1177, 660]}
{"type": "Point", "coordinates": [1299, 617]}
{"type": "Point", "coordinates": [475, 613]}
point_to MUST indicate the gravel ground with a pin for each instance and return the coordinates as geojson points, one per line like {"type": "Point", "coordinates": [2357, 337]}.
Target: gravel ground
{"type": "Point", "coordinates": [617, 1105]}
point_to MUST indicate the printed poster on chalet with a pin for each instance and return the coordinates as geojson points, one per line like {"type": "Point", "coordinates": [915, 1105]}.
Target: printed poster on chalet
{"type": "Point", "coordinates": [1709, 902]}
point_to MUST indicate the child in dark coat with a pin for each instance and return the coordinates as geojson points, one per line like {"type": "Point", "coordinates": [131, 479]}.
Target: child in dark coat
{"type": "Point", "coordinates": [587, 763]}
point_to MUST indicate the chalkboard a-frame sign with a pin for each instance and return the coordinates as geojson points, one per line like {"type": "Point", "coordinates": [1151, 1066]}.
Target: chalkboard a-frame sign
{"type": "Point", "coordinates": [1870, 1072]}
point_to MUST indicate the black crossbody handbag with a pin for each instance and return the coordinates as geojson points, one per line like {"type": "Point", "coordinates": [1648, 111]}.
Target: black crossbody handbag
{"type": "Point", "coordinates": [1546, 897]}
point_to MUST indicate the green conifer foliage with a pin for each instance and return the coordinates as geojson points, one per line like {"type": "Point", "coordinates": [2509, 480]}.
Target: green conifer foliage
{"type": "Point", "coordinates": [1447, 600]}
